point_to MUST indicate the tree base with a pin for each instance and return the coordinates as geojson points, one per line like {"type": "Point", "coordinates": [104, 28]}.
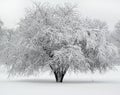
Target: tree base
{"type": "Point", "coordinates": [59, 71]}
{"type": "Point", "coordinates": [59, 77]}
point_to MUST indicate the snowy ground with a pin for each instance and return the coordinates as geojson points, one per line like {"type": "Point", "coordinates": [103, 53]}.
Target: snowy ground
{"type": "Point", "coordinates": [81, 84]}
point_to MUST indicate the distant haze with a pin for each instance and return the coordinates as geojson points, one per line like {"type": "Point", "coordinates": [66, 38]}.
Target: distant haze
{"type": "Point", "coordinates": [106, 10]}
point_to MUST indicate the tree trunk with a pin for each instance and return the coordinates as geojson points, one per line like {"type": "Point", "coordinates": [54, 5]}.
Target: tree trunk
{"type": "Point", "coordinates": [59, 71]}
{"type": "Point", "coordinates": [59, 76]}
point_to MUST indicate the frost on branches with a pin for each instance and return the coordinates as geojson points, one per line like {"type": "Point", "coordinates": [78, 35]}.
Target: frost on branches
{"type": "Point", "coordinates": [60, 40]}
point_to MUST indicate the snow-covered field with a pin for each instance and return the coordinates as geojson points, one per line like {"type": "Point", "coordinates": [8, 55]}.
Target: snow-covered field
{"type": "Point", "coordinates": [47, 87]}
{"type": "Point", "coordinates": [80, 84]}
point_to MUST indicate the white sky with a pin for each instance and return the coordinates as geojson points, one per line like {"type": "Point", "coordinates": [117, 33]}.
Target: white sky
{"type": "Point", "coordinates": [107, 10]}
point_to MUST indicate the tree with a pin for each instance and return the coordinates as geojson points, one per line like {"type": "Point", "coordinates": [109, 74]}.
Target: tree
{"type": "Point", "coordinates": [114, 38]}
{"type": "Point", "coordinates": [8, 41]}
{"type": "Point", "coordinates": [1, 24]}
{"type": "Point", "coordinates": [60, 40]}
{"type": "Point", "coordinates": [115, 35]}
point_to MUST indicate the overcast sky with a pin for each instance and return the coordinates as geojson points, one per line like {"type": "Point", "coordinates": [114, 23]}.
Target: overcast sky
{"type": "Point", "coordinates": [107, 10]}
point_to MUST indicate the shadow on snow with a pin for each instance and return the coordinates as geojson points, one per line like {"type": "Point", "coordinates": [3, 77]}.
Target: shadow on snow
{"type": "Point", "coordinates": [65, 81]}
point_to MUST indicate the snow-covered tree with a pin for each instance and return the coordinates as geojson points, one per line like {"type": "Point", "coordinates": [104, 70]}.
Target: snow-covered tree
{"type": "Point", "coordinates": [116, 33]}
{"type": "Point", "coordinates": [1, 23]}
{"type": "Point", "coordinates": [58, 39]}
{"type": "Point", "coordinates": [115, 39]}
{"type": "Point", "coordinates": [8, 42]}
